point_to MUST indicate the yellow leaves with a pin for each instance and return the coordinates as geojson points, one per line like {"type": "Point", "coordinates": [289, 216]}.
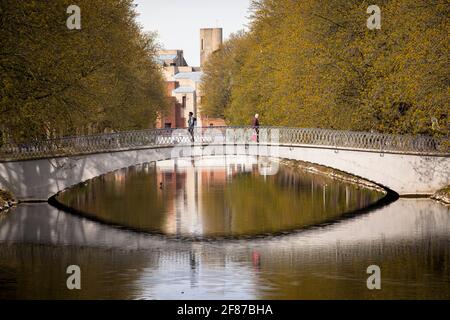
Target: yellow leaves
{"type": "Point", "coordinates": [315, 63]}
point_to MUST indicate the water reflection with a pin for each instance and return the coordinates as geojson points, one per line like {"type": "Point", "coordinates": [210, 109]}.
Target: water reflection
{"type": "Point", "coordinates": [409, 239]}
{"type": "Point", "coordinates": [214, 196]}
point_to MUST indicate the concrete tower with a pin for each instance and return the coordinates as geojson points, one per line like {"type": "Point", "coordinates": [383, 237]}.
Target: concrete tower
{"type": "Point", "coordinates": [210, 41]}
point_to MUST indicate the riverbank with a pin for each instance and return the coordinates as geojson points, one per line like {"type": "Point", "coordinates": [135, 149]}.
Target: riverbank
{"type": "Point", "coordinates": [443, 196]}
{"type": "Point", "coordinates": [333, 174]}
{"type": "Point", "coordinates": [7, 201]}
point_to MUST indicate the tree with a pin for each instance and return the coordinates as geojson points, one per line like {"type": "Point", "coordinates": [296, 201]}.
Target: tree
{"type": "Point", "coordinates": [220, 69]}
{"type": "Point", "coordinates": [56, 81]}
{"type": "Point", "coordinates": [316, 64]}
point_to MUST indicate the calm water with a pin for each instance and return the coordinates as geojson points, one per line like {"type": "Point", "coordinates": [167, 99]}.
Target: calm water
{"type": "Point", "coordinates": [215, 197]}
{"type": "Point", "coordinates": [409, 239]}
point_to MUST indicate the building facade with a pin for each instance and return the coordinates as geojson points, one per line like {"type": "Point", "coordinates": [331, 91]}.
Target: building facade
{"type": "Point", "coordinates": [183, 83]}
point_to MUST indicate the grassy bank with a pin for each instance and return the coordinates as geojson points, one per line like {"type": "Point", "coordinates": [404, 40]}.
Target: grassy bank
{"type": "Point", "coordinates": [6, 200]}
{"type": "Point", "coordinates": [442, 195]}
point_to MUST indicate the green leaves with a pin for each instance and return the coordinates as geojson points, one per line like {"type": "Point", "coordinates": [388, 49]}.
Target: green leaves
{"type": "Point", "coordinates": [55, 81]}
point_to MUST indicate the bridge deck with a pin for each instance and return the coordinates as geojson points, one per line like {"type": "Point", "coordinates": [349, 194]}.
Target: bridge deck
{"type": "Point", "coordinates": [108, 142]}
{"type": "Point", "coordinates": [405, 164]}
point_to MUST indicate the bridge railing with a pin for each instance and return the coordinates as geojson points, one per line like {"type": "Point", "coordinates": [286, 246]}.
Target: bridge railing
{"type": "Point", "coordinates": [224, 135]}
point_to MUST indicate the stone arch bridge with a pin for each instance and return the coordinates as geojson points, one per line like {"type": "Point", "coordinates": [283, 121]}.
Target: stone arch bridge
{"type": "Point", "coordinates": [408, 165]}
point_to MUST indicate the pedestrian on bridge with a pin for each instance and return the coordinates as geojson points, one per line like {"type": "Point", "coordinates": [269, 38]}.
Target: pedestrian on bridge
{"type": "Point", "coordinates": [255, 125]}
{"type": "Point", "coordinates": [191, 124]}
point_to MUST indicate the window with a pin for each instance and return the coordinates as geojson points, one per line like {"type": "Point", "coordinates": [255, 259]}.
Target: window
{"type": "Point", "coordinates": [202, 45]}
{"type": "Point", "coordinates": [168, 125]}
{"type": "Point", "coordinates": [184, 102]}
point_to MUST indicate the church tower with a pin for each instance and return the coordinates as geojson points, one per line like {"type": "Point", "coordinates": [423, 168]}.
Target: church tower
{"type": "Point", "coordinates": [210, 41]}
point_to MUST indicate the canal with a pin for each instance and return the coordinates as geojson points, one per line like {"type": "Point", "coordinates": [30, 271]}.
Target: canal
{"type": "Point", "coordinates": [220, 228]}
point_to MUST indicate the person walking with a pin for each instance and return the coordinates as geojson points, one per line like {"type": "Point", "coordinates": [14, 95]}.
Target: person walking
{"type": "Point", "coordinates": [191, 124]}
{"type": "Point", "coordinates": [255, 125]}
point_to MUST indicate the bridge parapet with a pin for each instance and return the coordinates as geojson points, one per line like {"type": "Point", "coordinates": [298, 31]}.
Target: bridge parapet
{"type": "Point", "coordinates": [129, 140]}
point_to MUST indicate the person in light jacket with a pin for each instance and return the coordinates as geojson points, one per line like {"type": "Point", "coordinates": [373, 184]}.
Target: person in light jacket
{"type": "Point", "coordinates": [255, 125]}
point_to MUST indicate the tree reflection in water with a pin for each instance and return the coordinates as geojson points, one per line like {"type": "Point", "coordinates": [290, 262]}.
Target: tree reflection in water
{"type": "Point", "coordinates": [409, 239]}
{"type": "Point", "coordinates": [211, 197]}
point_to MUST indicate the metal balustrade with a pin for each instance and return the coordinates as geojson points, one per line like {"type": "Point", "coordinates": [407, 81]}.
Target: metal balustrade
{"type": "Point", "coordinates": [67, 146]}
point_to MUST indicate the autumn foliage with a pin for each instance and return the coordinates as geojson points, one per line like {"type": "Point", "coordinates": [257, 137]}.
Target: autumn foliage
{"type": "Point", "coordinates": [55, 81]}
{"type": "Point", "coordinates": [314, 63]}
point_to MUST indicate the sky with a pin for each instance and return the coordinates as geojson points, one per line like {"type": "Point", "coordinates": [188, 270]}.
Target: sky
{"type": "Point", "coordinates": [178, 22]}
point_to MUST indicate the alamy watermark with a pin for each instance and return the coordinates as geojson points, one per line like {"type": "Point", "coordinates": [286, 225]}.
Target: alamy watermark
{"type": "Point", "coordinates": [233, 141]}
{"type": "Point", "coordinates": [74, 280]}
{"type": "Point", "coordinates": [374, 280]}
{"type": "Point", "coordinates": [374, 21]}
{"type": "Point", "coordinates": [73, 22]}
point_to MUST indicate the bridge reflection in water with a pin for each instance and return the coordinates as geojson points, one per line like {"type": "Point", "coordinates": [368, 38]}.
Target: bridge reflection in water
{"type": "Point", "coordinates": [215, 196]}
{"type": "Point", "coordinates": [409, 239]}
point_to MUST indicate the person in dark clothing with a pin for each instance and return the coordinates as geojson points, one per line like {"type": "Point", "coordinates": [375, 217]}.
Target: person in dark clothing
{"type": "Point", "coordinates": [255, 125]}
{"type": "Point", "coordinates": [191, 124]}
